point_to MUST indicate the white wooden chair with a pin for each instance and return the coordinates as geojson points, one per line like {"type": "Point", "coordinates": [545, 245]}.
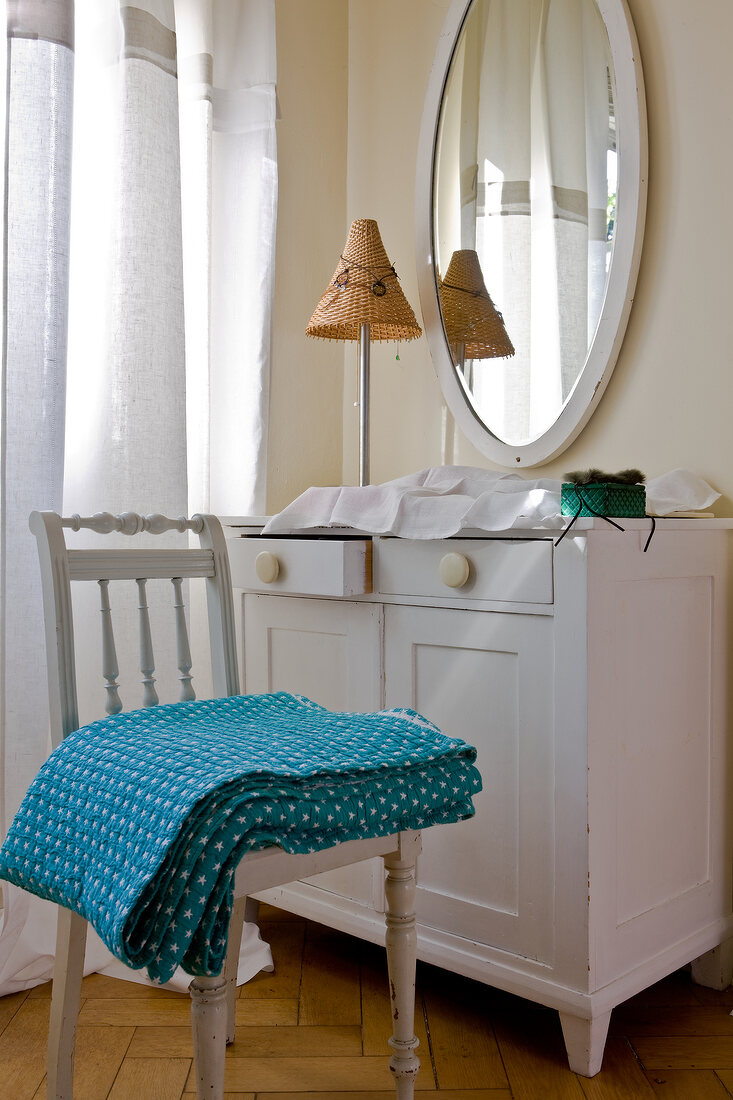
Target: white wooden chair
{"type": "Point", "coordinates": [213, 999]}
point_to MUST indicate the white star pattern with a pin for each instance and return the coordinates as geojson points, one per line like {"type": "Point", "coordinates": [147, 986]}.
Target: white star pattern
{"type": "Point", "coordinates": [278, 768]}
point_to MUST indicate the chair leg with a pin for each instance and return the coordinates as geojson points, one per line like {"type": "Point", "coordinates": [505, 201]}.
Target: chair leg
{"type": "Point", "coordinates": [401, 943]}
{"type": "Point", "coordinates": [209, 1026]}
{"type": "Point", "coordinates": [71, 936]}
{"type": "Point", "coordinates": [231, 966]}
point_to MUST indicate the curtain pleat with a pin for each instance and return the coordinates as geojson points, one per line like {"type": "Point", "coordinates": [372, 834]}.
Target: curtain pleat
{"type": "Point", "coordinates": [228, 110]}
{"type": "Point", "coordinates": [36, 266]}
{"type": "Point", "coordinates": [127, 356]}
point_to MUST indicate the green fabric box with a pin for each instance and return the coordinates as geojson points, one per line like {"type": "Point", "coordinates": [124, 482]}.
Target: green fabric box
{"type": "Point", "coordinates": [603, 498]}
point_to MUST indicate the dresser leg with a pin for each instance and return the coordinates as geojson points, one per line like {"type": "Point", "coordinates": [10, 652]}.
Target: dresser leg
{"type": "Point", "coordinates": [584, 1041]}
{"type": "Point", "coordinates": [714, 969]}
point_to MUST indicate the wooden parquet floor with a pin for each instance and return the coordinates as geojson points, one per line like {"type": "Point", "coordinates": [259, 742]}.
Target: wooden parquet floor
{"type": "Point", "coordinates": [316, 1029]}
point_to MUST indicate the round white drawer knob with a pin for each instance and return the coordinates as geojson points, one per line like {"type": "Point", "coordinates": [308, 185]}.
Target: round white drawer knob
{"type": "Point", "coordinates": [454, 570]}
{"type": "Point", "coordinates": [267, 567]}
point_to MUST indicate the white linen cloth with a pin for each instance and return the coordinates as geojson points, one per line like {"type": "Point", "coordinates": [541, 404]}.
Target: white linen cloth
{"type": "Point", "coordinates": [440, 501]}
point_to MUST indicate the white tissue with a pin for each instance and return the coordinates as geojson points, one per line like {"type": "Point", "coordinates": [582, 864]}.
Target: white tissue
{"type": "Point", "coordinates": [678, 491]}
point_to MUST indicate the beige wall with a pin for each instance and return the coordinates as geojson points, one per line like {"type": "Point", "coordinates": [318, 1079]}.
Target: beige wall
{"type": "Point", "coordinates": [305, 436]}
{"type": "Point", "coordinates": [670, 400]}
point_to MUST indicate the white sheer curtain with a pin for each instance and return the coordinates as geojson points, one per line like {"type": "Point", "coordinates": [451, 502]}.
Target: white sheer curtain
{"type": "Point", "coordinates": [174, 200]}
{"type": "Point", "coordinates": [530, 193]}
{"type": "Point", "coordinates": [543, 135]}
{"type": "Point", "coordinates": [150, 235]}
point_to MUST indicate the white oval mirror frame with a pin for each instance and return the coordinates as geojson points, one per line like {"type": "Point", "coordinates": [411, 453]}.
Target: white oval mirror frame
{"type": "Point", "coordinates": [630, 106]}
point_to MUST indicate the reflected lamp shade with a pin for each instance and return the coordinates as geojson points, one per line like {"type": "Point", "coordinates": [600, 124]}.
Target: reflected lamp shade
{"type": "Point", "coordinates": [364, 301]}
{"type": "Point", "coordinates": [470, 318]}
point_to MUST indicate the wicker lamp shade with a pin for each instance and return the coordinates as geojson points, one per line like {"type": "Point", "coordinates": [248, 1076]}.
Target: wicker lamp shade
{"type": "Point", "coordinates": [469, 316]}
{"type": "Point", "coordinates": [364, 290]}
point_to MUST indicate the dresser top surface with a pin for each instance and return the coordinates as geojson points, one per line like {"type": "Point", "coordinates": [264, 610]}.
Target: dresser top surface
{"type": "Point", "coordinates": [240, 526]}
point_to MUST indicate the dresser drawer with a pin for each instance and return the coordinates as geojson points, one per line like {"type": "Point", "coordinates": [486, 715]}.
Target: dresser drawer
{"type": "Point", "coordinates": [306, 567]}
{"type": "Point", "coordinates": [507, 571]}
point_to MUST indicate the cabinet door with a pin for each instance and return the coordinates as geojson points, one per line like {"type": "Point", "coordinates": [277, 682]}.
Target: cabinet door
{"type": "Point", "coordinates": [488, 678]}
{"type": "Point", "coordinates": [330, 651]}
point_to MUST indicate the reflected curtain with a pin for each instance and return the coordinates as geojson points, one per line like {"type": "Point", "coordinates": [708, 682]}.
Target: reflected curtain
{"type": "Point", "coordinates": [140, 193]}
{"type": "Point", "coordinates": [532, 194]}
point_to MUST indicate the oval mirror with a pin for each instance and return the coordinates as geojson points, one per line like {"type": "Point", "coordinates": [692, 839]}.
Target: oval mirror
{"type": "Point", "coordinates": [530, 203]}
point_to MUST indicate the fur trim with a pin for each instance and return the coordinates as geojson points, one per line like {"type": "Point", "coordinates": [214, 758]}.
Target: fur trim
{"type": "Point", "coordinates": [594, 476]}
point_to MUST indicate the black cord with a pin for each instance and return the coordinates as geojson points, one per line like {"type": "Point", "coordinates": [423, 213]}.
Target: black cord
{"type": "Point", "coordinates": [584, 504]}
{"type": "Point", "coordinates": [482, 292]}
{"type": "Point", "coordinates": [378, 288]}
{"type": "Point", "coordinates": [572, 521]}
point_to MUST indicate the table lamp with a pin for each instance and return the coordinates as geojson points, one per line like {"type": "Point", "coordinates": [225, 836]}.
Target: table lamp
{"type": "Point", "coordinates": [364, 301]}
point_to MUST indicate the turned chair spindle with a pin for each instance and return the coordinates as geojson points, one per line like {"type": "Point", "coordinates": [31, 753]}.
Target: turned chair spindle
{"type": "Point", "coordinates": [147, 662]}
{"type": "Point", "coordinates": [130, 523]}
{"type": "Point", "coordinates": [110, 668]}
{"type": "Point", "coordinates": [183, 649]}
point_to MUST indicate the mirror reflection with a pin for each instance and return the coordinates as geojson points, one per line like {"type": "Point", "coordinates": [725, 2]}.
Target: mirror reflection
{"type": "Point", "coordinates": [525, 185]}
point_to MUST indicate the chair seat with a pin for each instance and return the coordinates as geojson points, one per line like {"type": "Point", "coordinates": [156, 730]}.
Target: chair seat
{"type": "Point", "coordinates": [146, 814]}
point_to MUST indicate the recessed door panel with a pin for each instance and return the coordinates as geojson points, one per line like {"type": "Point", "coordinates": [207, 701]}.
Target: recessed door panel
{"type": "Point", "coordinates": [328, 650]}
{"type": "Point", "coordinates": [486, 678]}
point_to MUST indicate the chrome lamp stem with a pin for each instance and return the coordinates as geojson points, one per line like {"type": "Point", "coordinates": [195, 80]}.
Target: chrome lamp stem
{"type": "Point", "coordinates": [364, 405]}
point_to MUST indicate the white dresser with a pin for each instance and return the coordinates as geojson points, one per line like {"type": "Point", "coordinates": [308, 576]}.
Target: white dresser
{"type": "Point", "coordinates": [591, 677]}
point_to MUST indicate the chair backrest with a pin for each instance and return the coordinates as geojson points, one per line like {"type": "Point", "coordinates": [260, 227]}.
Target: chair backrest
{"type": "Point", "coordinates": [61, 565]}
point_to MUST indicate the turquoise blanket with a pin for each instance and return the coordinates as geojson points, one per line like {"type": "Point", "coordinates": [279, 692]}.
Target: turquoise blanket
{"type": "Point", "coordinates": [138, 821]}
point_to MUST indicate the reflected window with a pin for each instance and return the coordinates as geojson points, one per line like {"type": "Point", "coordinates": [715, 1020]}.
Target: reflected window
{"type": "Point", "coordinates": [526, 179]}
